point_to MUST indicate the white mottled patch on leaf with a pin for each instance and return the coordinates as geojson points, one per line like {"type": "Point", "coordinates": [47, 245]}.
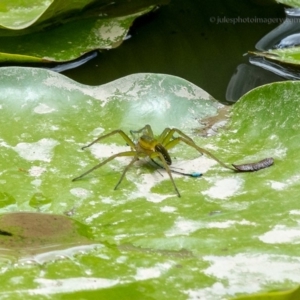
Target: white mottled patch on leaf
{"type": "Point", "coordinates": [111, 31]}
{"type": "Point", "coordinates": [109, 200]}
{"type": "Point", "coordinates": [80, 193]}
{"type": "Point", "coordinates": [105, 150]}
{"type": "Point", "coordinates": [144, 185]}
{"type": "Point", "coordinates": [36, 182]}
{"type": "Point", "coordinates": [245, 273]}
{"type": "Point", "coordinates": [185, 227]}
{"type": "Point", "coordinates": [97, 131]}
{"type": "Point", "coordinates": [54, 80]}
{"type": "Point", "coordinates": [152, 272]}
{"type": "Point", "coordinates": [200, 164]}
{"type": "Point", "coordinates": [54, 127]}
{"type": "Point", "coordinates": [276, 185]}
{"type": "Point", "coordinates": [43, 109]}
{"type": "Point", "coordinates": [49, 286]}
{"type": "Point", "coordinates": [281, 234]}
{"type": "Point", "coordinates": [41, 150]}
{"type": "Point", "coordinates": [93, 216]}
{"type": "Point", "coordinates": [182, 91]}
{"type": "Point", "coordinates": [224, 188]}
{"type": "Point", "coordinates": [36, 171]}
{"type": "Point", "coordinates": [168, 209]}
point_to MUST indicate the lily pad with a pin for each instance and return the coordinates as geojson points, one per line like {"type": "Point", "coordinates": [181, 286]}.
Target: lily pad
{"type": "Point", "coordinates": [59, 31]}
{"type": "Point", "coordinates": [293, 294]}
{"type": "Point", "coordinates": [286, 55]}
{"type": "Point", "coordinates": [18, 15]}
{"type": "Point", "coordinates": [68, 42]}
{"type": "Point", "coordinates": [292, 3]}
{"type": "Point", "coordinates": [226, 226]}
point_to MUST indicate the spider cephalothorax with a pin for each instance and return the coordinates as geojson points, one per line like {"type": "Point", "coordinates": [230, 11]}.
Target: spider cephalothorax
{"type": "Point", "coordinates": [149, 146]}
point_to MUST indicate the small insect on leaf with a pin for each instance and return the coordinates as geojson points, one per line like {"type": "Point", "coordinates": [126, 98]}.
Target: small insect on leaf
{"type": "Point", "coordinates": [251, 167]}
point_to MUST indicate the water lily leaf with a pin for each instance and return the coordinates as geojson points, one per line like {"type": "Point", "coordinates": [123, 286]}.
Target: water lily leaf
{"type": "Point", "coordinates": [286, 55]}
{"type": "Point", "coordinates": [18, 15]}
{"type": "Point", "coordinates": [293, 294]}
{"type": "Point", "coordinates": [59, 31]}
{"type": "Point", "coordinates": [292, 3]}
{"type": "Point", "coordinates": [224, 226]}
{"type": "Point", "coordinates": [67, 42]}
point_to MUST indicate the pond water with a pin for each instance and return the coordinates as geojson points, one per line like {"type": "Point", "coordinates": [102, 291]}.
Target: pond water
{"type": "Point", "coordinates": [195, 40]}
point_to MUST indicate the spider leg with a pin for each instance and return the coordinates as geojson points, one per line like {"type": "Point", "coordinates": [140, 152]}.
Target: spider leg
{"type": "Point", "coordinates": [167, 135]}
{"type": "Point", "coordinates": [191, 143]}
{"type": "Point", "coordinates": [125, 170]}
{"type": "Point", "coordinates": [127, 153]}
{"type": "Point", "coordinates": [118, 131]}
{"type": "Point", "coordinates": [194, 174]}
{"type": "Point", "coordinates": [147, 130]}
{"type": "Point", "coordinates": [169, 143]}
{"type": "Point", "coordinates": [166, 167]}
{"type": "Point", "coordinates": [164, 136]}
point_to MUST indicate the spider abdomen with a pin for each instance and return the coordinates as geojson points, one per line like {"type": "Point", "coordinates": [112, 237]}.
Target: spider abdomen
{"type": "Point", "coordinates": [160, 148]}
{"type": "Point", "coordinates": [148, 143]}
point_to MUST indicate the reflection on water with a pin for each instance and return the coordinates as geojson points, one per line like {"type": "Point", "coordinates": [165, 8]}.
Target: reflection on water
{"type": "Point", "coordinates": [284, 36]}
{"type": "Point", "coordinates": [284, 71]}
{"type": "Point", "coordinates": [75, 63]}
{"type": "Point", "coordinates": [289, 41]}
{"type": "Point", "coordinates": [247, 77]}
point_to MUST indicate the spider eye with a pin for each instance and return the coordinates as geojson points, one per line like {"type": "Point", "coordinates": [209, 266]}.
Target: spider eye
{"type": "Point", "coordinates": [160, 148]}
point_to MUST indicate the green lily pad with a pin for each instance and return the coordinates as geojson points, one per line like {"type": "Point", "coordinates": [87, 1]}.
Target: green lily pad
{"type": "Point", "coordinates": [292, 3]}
{"type": "Point", "coordinates": [67, 42]}
{"type": "Point", "coordinates": [289, 55]}
{"type": "Point", "coordinates": [19, 15]}
{"type": "Point", "coordinates": [293, 294]}
{"type": "Point", "coordinates": [59, 31]}
{"type": "Point", "coordinates": [227, 227]}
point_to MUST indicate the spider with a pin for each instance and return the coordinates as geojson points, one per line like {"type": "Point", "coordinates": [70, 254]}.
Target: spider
{"type": "Point", "coordinates": [149, 146]}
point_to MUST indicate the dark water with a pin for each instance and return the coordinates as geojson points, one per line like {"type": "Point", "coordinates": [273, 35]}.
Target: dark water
{"type": "Point", "coordinates": [192, 39]}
